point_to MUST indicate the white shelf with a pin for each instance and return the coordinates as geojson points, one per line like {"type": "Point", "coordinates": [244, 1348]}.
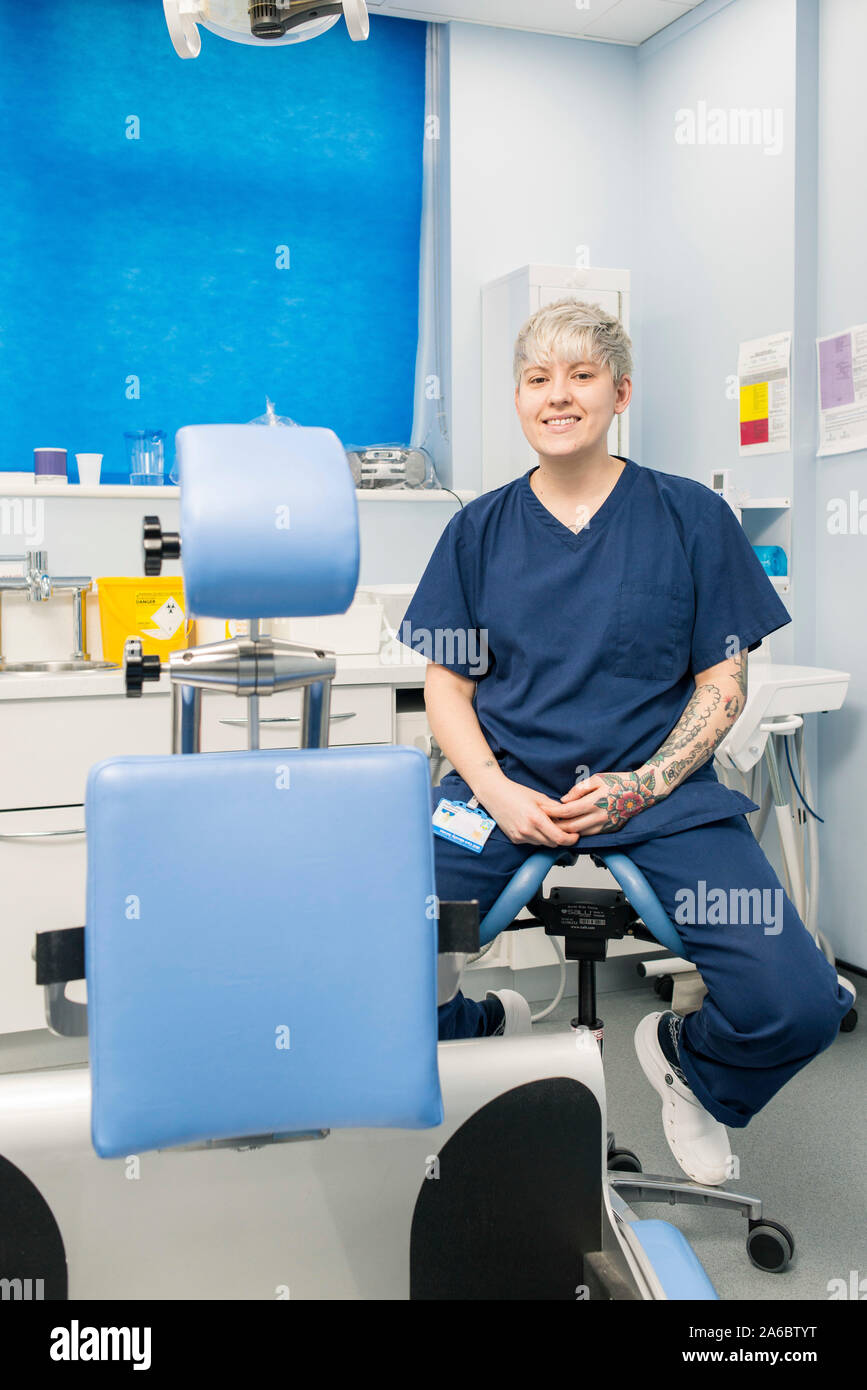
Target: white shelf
{"type": "Point", "coordinates": [431, 494]}
{"type": "Point", "coordinates": [768, 504]}
{"type": "Point", "coordinates": [18, 485]}
{"type": "Point", "coordinates": [781, 582]}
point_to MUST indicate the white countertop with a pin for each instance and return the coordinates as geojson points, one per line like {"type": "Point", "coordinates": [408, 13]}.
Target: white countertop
{"type": "Point", "coordinates": [66, 685]}
{"type": "Point", "coordinates": [22, 485]}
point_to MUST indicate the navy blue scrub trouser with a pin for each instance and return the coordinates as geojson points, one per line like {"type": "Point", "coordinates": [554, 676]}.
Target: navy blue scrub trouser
{"type": "Point", "coordinates": [773, 1002]}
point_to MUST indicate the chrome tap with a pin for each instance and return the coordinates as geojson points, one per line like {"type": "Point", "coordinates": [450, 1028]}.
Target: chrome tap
{"type": "Point", "coordinates": [34, 579]}
{"type": "Point", "coordinates": [39, 587]}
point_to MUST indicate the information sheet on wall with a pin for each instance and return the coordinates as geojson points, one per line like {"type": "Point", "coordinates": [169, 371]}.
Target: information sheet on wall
{"type": "Point", "coordinates": [765, 394]}
{"type": "Point", "coordinates": [843, 391]}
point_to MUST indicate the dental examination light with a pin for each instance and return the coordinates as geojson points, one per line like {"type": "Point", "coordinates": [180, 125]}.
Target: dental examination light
{"type": "Point", "coordinates": [265, 23]}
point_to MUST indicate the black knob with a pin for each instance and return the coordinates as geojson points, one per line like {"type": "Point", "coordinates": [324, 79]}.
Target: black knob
{"type": "Point", "coordinates": [138, 668]}
{"type": "Point", "coordinates": [158, 545]}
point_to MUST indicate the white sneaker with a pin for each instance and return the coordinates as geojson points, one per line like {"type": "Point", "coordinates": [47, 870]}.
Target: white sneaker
{"type": "Point", "coordinates": [516, 1009]}
{"type": "Point", "coordinates": [698, 1141]}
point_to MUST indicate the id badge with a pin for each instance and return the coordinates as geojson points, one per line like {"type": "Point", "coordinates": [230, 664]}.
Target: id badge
{"type": "Point", "coordinates": [462, 823]}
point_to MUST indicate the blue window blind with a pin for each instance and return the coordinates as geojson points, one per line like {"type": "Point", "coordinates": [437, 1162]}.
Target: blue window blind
{"type": "Point", "coordinates": [151, 264]}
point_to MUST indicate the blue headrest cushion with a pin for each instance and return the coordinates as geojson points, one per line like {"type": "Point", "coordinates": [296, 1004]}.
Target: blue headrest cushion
{"type": "Point", "coordinates": [269, 521]}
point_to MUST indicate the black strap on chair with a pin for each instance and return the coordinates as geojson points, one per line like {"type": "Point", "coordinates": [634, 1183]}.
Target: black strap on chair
{"type": "Point", "coordinates": [59, 956]}
{"type": "Point", "coordinates": [459, 927]}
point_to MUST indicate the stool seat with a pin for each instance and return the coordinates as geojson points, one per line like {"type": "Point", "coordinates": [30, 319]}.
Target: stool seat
{"type": "Point", "coordinates": [528, 878]}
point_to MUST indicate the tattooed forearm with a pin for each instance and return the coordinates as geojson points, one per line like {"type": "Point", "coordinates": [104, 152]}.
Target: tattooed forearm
{"type": "Point", "coordinates": [626, 794]}
{"type": "Point", "coordinates": [672, 773]}
{"type": "Point", "coordinates": [697, 715]}
{"type": "Point", "coordinates": [740, 676]}
{"type": "Point", "coordinates": [710, 714]}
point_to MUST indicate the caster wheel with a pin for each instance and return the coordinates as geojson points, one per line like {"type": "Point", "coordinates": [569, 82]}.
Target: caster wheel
{"type": "Point", "coordinates": [849, 1021]}
{"type": "Point", "coordinates": [664, 986]}
{"type": "Point", "coordinates": [623, 1161]}
{"type": "Point", "coordinates": [770, 1246]}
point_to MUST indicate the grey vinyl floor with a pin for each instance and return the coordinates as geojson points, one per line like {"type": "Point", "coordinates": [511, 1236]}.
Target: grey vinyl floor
{"type": "Point", "coordinates": [803, 1155]}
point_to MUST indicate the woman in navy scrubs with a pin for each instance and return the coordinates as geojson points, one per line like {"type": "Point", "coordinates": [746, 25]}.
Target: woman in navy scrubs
{"type": "Point", "coordinates": [587, 627]}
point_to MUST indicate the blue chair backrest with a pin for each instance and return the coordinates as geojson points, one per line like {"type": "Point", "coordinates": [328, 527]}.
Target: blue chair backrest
{"type": "Point", "coordinates": [261, 945]}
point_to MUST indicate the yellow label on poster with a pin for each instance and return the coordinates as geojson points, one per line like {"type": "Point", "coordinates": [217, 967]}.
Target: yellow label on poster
{"type": "Point", "coordinates": [754, 401]}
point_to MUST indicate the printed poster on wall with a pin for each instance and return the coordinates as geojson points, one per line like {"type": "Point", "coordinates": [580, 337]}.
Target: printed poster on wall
{"type": "Point", "coordinates": [764, 394]}
{"type": "Point", "coordinates": [843, 391]}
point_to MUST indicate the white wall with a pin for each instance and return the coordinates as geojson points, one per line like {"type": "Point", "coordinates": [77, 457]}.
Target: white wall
{"type": "Point", "coordinates": [738, 244]}
{"type": "Point", "coordinates": [717, 253]}
{"type": "Point", "coordinates": [82, 537]}
{"type": "Point", "coordinates": [841, 571]}
{"type": "Point", "coordinates": [539, 158]}
{"type": "Point", "coordinates": [543, 159]}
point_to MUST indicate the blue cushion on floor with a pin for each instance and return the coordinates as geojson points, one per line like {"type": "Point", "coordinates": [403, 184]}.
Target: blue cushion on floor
{"type": "Point", "coordinates": [675, 1263]}
{"type": "Point", "coordinates": [260, 945]}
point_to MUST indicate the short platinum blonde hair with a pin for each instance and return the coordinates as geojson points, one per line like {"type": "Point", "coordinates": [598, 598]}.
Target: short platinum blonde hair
{"type": "Point", "coordinates": [571, 330]}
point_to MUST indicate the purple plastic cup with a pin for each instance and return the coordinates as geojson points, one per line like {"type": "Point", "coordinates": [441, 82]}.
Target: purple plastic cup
{"type": "Point", "coordinates": [49, 465]}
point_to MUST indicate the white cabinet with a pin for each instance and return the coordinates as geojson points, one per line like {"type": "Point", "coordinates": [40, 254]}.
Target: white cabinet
{"type": "Point", "coordinates": [359, 714]}
{"type": "Point", "coordinates": [43, 870]}
{"type": "Point", "coordinates": [507, 303]}
{"type": "Point", "coordinates": [48, 746]}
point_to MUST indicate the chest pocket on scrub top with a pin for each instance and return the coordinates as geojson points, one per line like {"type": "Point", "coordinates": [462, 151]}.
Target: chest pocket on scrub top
{"type": "Point", "coordinates": [649, 628]}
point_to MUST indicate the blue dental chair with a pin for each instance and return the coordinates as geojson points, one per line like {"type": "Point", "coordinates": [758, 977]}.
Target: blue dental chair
{"type": "Point", "coordinates": [260, 955]}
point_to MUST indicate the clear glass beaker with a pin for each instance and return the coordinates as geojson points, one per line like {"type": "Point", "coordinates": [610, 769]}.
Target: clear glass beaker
{"type": "Point", "coordinates": [146, 452]}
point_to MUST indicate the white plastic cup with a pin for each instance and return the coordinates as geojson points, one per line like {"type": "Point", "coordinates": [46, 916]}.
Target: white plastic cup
{"type": "Point", "coordinates": [89, 466]}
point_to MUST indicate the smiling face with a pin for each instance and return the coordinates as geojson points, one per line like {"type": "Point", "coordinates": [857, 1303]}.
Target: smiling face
{"type": "Point", "coordinates": [566, 408]}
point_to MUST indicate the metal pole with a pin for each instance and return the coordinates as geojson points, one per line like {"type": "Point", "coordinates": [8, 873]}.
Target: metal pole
{"type": "Point", "coordinates": [186, 718]}
{"type": "Point", "coordinates": [316, 715]}
{"type": "Point", "coordinates": [253, 700]}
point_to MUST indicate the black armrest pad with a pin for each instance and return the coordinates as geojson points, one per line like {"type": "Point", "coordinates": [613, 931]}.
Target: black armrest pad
{"type": "Point", "coordinates": [459, 927]}
{"type": "Point", "coordinates": [59, 956]}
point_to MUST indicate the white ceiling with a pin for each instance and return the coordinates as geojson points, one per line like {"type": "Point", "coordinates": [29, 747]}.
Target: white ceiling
{"type": "Point", "coordinates": [611, 21]}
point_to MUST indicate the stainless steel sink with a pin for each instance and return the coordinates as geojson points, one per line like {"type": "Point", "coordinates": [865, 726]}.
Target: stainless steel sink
{"type": "Point", "coordinates": [28, 668]}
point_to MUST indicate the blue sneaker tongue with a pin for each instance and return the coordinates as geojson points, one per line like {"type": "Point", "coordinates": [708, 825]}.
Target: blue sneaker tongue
{"type": "Point", "coordinates": [668, 1034]}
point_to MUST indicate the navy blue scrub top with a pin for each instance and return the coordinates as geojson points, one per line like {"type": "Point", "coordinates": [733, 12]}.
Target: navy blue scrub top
{"type": "Point", "coordinates": [583, 646]}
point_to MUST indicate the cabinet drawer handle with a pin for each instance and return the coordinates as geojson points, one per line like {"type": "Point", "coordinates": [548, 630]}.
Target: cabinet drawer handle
{"type": "Point", "coordinates": [40, 834]}
{"type": "Point", "coordinates": [288, 719]}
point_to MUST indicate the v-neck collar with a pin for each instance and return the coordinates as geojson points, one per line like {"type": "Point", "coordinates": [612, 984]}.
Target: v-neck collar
{"type": "Point", "coordinates": [602, 515]}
